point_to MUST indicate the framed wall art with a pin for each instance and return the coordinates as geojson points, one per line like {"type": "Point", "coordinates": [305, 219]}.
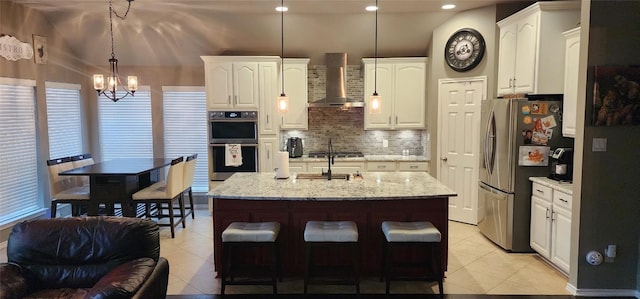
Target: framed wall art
{"type": "Point", "coordinates": [616, 96]}
{"type": "Point", "coordinates": [40, 49]}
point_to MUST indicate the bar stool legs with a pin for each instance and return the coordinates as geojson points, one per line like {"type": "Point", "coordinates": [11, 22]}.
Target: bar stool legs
{"type": "Point", "coordinates": [415, 234]}
{"type": "Point", "coordinates": [331, 234]}
{"type": "Point", "coordinates": [244, 235]}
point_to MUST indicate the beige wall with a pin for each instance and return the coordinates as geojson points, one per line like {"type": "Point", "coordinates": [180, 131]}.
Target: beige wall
{"type": "Point", "coordinates": [482, 20]}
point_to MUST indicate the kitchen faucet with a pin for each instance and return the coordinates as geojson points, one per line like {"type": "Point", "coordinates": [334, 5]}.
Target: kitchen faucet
{"type": "Point", "coordinates": [330, 159]}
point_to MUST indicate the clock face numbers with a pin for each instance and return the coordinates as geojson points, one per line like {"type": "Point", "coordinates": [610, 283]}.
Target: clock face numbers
{"type": "Point", "coordinates": [464, 50]}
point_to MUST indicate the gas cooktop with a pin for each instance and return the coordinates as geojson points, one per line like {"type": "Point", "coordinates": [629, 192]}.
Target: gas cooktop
{"type": "Point", "coordinates": [336, 154]}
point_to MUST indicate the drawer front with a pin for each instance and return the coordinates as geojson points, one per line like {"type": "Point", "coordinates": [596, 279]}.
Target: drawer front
{"type": "Point", "coordinates": [381, 166]}
{"type": "Point", "coordinates": [562, 199]}
{"type": "Point", "coordinates": [413, 166]}
{"type": "Point", "coordinates": [541, 191]}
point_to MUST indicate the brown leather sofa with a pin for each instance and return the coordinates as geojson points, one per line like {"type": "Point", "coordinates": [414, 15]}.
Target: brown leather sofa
{"type": "Point", "coordinates": [89, 257]}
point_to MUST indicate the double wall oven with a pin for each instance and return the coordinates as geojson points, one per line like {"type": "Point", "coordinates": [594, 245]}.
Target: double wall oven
{"type": "Point", "coordinates": [233, 127]}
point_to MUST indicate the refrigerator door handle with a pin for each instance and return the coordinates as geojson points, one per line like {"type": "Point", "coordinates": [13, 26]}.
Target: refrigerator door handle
{"type": "Point", "coordinates": [492, 136]}
{"type": "Point", "coordinates": [485, 149]}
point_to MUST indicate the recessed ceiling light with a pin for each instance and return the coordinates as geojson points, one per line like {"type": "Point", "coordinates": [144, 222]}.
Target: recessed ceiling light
{"type": "Point", "coordinates": [282, 8]}
{"type": "Point", "coordinates": [371, 8]}
{"type": "Point", "coordinates": [449, 6]}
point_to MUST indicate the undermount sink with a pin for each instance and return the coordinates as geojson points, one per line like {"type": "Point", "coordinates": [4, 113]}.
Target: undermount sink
{"type": "Point", "coordinates": [318, 176]}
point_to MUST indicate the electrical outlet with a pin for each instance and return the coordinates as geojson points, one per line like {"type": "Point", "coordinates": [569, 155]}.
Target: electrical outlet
{"type": "Point", "coordinates": [385, 143]}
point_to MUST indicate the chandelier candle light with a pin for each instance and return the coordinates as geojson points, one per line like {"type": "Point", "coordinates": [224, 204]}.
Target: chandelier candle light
{"type": "Point", "coordinates": [375, 101]}
{"type": "Point", "coordinates": [283, 99]}
{"type": "Point", "coordinates": [114, 79]}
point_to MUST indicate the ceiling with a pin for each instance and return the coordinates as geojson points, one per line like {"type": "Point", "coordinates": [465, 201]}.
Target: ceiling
{"type": "Point", "coordinates": [178, 32]}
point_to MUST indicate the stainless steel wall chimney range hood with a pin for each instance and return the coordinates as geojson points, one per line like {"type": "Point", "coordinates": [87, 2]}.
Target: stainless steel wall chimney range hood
{"type": "Point", "coordinates": [336, 84]}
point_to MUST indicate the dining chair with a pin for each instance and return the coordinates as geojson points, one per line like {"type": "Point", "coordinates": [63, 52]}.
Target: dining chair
{"type": "Point", "coordinates": [189, 174]}
{"type": "Point", "coordinates": [65, 189]}
{"type": "Point", "coordinates": [80, 161]}
{"type": "Point", "coordinates": [166, 192]}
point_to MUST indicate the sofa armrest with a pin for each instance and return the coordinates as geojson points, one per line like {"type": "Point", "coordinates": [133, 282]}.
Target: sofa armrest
{"type": "Point", "coordinates": [13, 284]}
{"type": "Point", "coordinates": [123, 281]}
{"type": "Point", "coordinates": [156, 285]}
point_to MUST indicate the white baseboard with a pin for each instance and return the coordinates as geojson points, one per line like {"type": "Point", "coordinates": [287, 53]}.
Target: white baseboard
{"type": "Point", "coordinates": [602, 292]}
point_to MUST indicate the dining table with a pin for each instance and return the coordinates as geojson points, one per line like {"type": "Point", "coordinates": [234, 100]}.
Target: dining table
{"type": "Point", "coordinates": [115, 181]}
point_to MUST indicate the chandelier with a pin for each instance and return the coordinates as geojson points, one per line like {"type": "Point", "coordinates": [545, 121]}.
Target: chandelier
{"type": "Point", "coordinates": [113, 80]}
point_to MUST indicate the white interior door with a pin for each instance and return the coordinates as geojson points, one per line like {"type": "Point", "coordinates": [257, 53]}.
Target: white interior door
{"type": "Point", "coordinates": [459, 101]}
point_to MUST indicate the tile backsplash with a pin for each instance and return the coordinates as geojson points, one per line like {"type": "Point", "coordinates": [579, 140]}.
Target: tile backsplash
{"type": "Point", "coordinates": [346, 126]}
{"type": "Point", "coordinates": [346, 129]}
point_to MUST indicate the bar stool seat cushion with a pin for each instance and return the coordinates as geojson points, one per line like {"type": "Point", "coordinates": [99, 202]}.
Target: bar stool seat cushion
{"type": "Point", "coordinates": [419, 231]}
{"type": "Point", "coordinates": [331, 231]}
{"type": "Point", "coordinates": [79, 193]}
{"type": "Point", "coordinates": [251, 232]}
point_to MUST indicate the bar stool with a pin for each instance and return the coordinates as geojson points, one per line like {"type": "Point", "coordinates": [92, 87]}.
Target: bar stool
{"type": "Point", "coordinates": [331, 233]}
{"type": "Point", "coordinates": [421, 234]}
{"type": "Point", "coordinates": [244, 235]}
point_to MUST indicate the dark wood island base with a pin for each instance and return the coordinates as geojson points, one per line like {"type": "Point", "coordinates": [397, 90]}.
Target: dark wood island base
{"type": "Point", "coordinates": [293, 215]}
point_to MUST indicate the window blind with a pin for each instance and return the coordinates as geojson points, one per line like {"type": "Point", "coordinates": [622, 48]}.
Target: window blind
{"type": "Point", "coordinates": [185, 128]}
{"type": "Point", "coordinates": [125, 126]}
{"type": "Point", "coordinates": [18, 166]}
{"type": "Point", "coordinates": [64, 119]}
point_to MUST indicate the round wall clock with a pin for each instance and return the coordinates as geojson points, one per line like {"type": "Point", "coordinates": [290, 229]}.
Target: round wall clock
{"type": "Point", "coordinates": [464, 49]}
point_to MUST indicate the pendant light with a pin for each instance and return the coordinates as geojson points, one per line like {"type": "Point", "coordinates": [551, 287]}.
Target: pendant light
{"type": "Point", "coordinates": [113, 81]}
{"type": "Point", "coordinates": [283, 99]}
{"type": "Point", "coordinates": [375, 101]}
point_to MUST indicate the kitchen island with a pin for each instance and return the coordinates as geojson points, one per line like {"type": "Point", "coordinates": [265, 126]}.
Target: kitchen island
{"type": "Point", "coordinates": [368, 200]}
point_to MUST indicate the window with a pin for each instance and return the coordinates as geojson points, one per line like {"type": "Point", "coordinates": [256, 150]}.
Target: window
{"type": "Point", "coordinates": [19, 166]}
{"type": "Point", "coordinates": [64, 119]}
{"type": "Point", "coordinates": [185, 128]}
{"type": "Point", "coordinates": [125, 126]}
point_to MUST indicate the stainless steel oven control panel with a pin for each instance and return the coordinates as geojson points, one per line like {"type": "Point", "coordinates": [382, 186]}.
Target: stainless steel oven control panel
{"type": "Point", "coordinates": [234, 115]}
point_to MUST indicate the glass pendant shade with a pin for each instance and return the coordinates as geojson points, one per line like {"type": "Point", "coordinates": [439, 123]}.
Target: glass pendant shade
{"type": "Point", "coordinates": [283, 103]}
{"type": "Point", "coordinates": [375, 104]}
{"type": "Point", "coordinates": [132, 83]}
{"type": "Point", "coordinates": [98, 82]}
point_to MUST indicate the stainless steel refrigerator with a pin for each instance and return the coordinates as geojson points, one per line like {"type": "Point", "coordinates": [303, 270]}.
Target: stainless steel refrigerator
{"type": "Point", "coordinates": [518, 137]}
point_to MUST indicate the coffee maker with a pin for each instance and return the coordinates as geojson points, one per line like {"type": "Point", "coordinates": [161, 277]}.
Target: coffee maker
{"type": "Point", "coordinates": [294, 147]}
{"type": "Point", "coordinates": [562, 164]}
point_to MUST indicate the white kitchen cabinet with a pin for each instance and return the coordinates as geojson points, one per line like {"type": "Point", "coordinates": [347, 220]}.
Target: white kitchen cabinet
{"type": "Point", "coordinates": [381, 166]}
{"type": "Point", "coordinates": [268, 112]}
{"type": "Point", "coordinates": [297, 167]}
{"type": "Point", "coordinates": [266, 154]}
{"type": "Point", "coordinates": [541, 225]}
{"type": "Point", "coordinates": [338, 167]}
{"type": "Point", "coordinates": [413, 166]}
{"type": "Point", "coordinates": [401, 82]}
{"type": "Point", "coordinates": [551, 224]}
{"type": "Point", "coordinates": [529, 45]}
{"type": "Point", "coordinates": [295, 87]}
{"type": "Point", "coordinates": [571, 66]}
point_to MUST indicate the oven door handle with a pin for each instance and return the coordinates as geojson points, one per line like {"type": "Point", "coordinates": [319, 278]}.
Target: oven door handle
{"type": "Point", "coordinates": [241, 144]}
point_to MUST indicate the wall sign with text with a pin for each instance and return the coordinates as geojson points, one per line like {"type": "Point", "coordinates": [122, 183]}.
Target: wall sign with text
{"type": "Point", "coordinates": [13, 49]}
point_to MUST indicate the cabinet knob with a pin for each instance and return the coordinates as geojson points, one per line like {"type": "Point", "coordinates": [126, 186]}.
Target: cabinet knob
{"type": "Point", "coordinates": [445, 159]}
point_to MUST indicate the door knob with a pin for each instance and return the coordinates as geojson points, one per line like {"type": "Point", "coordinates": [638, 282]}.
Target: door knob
{"type": "Point", "coordinates": [444, 159]}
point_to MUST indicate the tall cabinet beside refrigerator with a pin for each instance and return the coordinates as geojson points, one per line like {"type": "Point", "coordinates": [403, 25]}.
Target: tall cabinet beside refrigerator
{"type": "Point", "coordinates": [517, 138]}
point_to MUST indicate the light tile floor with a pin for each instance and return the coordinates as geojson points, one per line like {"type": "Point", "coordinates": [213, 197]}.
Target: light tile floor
{"type": "Point", "coordinates": [476, 266]}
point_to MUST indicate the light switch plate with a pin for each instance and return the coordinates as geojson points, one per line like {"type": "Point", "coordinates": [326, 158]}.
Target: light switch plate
{"type": "Point", "coordinates": [599, 145]}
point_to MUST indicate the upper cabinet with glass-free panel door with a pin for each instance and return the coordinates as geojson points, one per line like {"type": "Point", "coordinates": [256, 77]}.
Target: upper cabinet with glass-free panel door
{"type": "Point", "coordinates": [531, 44]}
{"type": "Point", "coordinates": [401, 82]}
{"type": "Point", "coordinates": [295, 87]}
{"type": "Point", "coordinates": [231, 82]}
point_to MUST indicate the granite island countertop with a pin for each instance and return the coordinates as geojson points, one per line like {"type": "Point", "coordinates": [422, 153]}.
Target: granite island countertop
{"type": "Point", "coordinates": [383, 158]}
{"type": "Point", "coordinates": [372, 186]}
